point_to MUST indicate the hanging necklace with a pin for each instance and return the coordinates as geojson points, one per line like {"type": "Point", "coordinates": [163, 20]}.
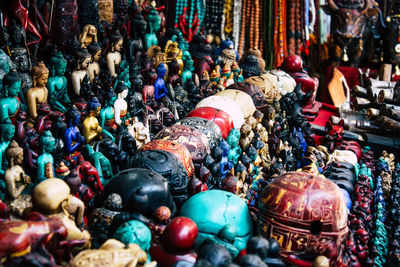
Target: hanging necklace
{"type": "Point", "coordinates": [237, 13]}
{"type": "Point", "coordinates": [213, 16]}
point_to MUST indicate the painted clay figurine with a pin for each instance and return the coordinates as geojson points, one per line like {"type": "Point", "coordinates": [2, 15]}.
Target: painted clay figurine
{"type": "Point", "coordinates": [45, 161]}
{"type": "Point", "coordinates": [91, 128]}
{"type": "Point", "coordinates": [120, 104]}
{"type": "Point", "coordinates": [94, 67]}
{"type": "Point", "coordinates": [57, 83]}
{"type": "Point", "coordinates": [38, 94]}
{"type": "Point", "coordinates": [78, 75]}
{"type": "Point", "coordinates": [114, 57]}
{"type": "Point", "coordinates": [9, 103]}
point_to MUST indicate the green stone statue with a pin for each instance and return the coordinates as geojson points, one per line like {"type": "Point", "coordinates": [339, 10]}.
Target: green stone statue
{"type": "Point", "coordinates": [7, 131]}
{"type": "Point", "coordinates": [57, 83]}
{"type": "Point", "coordinates": [154, 24]}
{"type": "Point", "coordinates": [100, 162]}
{"type": "Point", "coordinates": [9, 102]}
{"type": "Point", "coordinates": [45, 161]}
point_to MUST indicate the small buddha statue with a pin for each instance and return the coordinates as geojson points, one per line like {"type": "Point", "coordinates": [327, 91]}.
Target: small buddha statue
{"type": "Point", "coordinates": [72, 136]}
{"type": "Point", "coordinates": [114, 57]}
{"type": "Point", "coordinates": [45, 161]}
{"type": "Point", "coordinates": [91, 128]}
{"type": "Point", "coordinates": [7, 131]}
{"type": "Point", "coordinates": [154, 24]}
{"type": "Point", "coordinates": [120, 104]}
{"type": "Point", "coordinates": [138, 30]}
{"type": "Point", "coordinates": [140, 133]}
{"type": "Point", "coordinates": [5, 65]}
{"type": "Point", "coordinates": [38, 94]}
{"type": "Point", "coordinates": [106, 118]}
{"type": "Point", "coordinates": [20, 57]}
{"type": "Point", "coordinates": [172, 52]}
{"type": "Point", "coordinates": [188, 69]}
{"type": "Point", "coordinates": [160, 90]}
{"type": "Point", "coordinates": [83, 59]}
{"type": "Point", "coordinates": [88, 35]}
{"type": "Point", "coordinates": [9, 103]}
{"type": "Point", "coordinates": [57, 83]}
{"type": "Point", "coordinates": [15, 177]}
{"type": "Point", "coordinates": [94, 49]}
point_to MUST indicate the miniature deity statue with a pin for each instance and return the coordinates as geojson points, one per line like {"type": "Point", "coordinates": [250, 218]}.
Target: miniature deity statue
{"type": "Point", "coordinates": [38, 94]}
{"type": "Point", "coordinates": [138, 30]}
{"type": "Point", "coordinates": [172, 52]}
{"type": "Point", "coordinates": [120, 105]}
{"type": "Point", "coordinates": [57, 83]}
{"type": "Point", "coordinates": [106, 118]}
{"type": "Point", "coordinates": [160, 90]}
{"type": "Point", "coordinates": [94, 67]}
{"type": "Point", "coordinates": [88, 35]}
{"type": "Point", "coordinates": [100, 162]}
{"type": "Point", "coordinates": [9, 102]}
{"type": "Point", "coordinates": [91, 128]}
{"type": "Point", "coordinates": [154, 24]}
{"type": "Point", "coordinates": [7, 131]}
{"type": "Point", "coordinates": [139, 132]}
{"type": "Point", "coordinates": [45, 161]}
{"type": "Point", "coordinates": [72, 136]}
{"type": "Point", "coordinates": [114, 57]}
{"type": "Point", "coordinates": [83, 59]}
{"type": "Point", "coordinates": [15, 177]}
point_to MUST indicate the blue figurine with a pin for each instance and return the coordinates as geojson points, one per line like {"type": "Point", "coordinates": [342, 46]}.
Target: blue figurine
{"type": "Point", "coordinates": [73, 137]}
{"type": "Point", "coordinates": [224, 163]}
{"type": "Point", "coordinates": [226, 44]}
{"type": "Point", "coordinates": [160, 90]}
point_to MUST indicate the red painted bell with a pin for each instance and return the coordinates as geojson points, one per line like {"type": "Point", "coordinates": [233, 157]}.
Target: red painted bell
{"type": "Point", "coordinates": [219, 117]}
{"type": "Point", "coordinates": [179, 151]}
{"type": "Point", "coordinates": [292, 63]}
{"type": "Point", "coordinates": [307, 214]}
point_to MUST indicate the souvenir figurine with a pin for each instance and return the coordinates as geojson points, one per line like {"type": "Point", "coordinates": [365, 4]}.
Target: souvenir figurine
{"type": "Point", "coordinates": [138, 30]}
{"type": "Point", "coordinates": [38, 94]}
{"type": "Point", "coordinates": [91, 128]}
{"type": "Point", "coordinates": [139, 132]}
{"type": "Point", "coordinates": [5, 65]}
{"type": "Point", "coordinates": [160, 90]}
{"type": "Point", "coordinates": [20, 57]}
{"type": "Point", "coordinates": [120, 105]}
{"type": "Point", "coordinates": [154, 24]}
{"type": "Point", "coordinates": [15, 177]}
{"type": "Point", "coordinates": [188, 69]}
{"type": "Point", "coordinates": [59, 127]}
{"type": "Point", "coordinates": [237, 73]}
{"type": "Point", "coordinates": [113, 253]}
{"type": "Point", "coordinates": [45, 161]}
{"type": "Point", "coordinates": [9, 103]}
{"type": "Point", "coordinates": [88, 35]}
{"type": "Point", "coordinates": [114, 57]}
{"type": "Point", "coordinates": [94, 68]}
{"type": "Point", "coordinates": [57, 83]}
{"type": "Point", "coordinates": [177, 243]}
{"type": "Point", "coordinates": [172, 52]}
{"type": "Point", "coordinates": [100, 162]}
{"type": "Point", "coordinates": [106, 118]}
{"type": "Point", "coordinates": [80, 73]}
{"type": "Point", "coordinates": [318, 227]}
{"type": "Point", "coordinates": [72, 136]}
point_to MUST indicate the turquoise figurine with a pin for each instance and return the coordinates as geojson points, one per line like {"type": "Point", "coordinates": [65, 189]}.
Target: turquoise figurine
{"type": "Point", "coordinates": [7, 131]}
{"type": "Point", "coordinates": [235, 151]}
{"type": "Point", "coordinates": [188, 69]}
{"type": "Point", "coordinates": [57, 83]}
{"type": "Point", "coordinates": [154, 24]}
{"type": "Point", "coordinates": [123, 75]}
{"type": "Point", "coordinates": [160, 90]}
{"type": "Point", "coordinates": [100, 162]}
{"type": "Point", "coordinates": [9, 102]}
{"type": "Point", "coordinates": [106, 117]}
{"type": "Point", "coordinates": [5, 65]}
{"type": "Point", "coordinates": [45, 161]}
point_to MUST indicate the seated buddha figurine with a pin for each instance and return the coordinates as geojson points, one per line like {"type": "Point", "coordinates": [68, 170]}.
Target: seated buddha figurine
{"type": "Point", "coordinates": [83, 59]}
{"type": "Point", "coordinates": [16, 179]}
{"type": "Point", "coordinates": [114, 57]}
{"type": "Point", "coordinates": [57, 83]}
{"type": "Point", "coordinates": [9, 103]}
{"type": "Point", "coordinates": [91, 128]}
{"type": "Point", "coordinates": [94, 67]}
{"type": "Point", "coordinates": [106, 118]}
{"type": "Point", "coordinates": [44, 167]}
{"type": "Point", "coordinates": [172, 52]}
{"type": "Point", "coordinates": [38, 94]}
{"type": "Point", "coordinates": [120, 105]}
{"type": "Point", "coordinates": [7, 131]}
{"type": "Point", "coordinates": [73, 138]}
{"type": "Point", "coordinates": [154, 24]}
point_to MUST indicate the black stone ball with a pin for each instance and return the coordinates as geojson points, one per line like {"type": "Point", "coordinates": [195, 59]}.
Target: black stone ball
{"type": "Point", "coordinates": [258, 245]}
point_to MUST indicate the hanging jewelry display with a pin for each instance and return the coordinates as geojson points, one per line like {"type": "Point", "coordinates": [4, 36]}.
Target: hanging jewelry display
{"type": "Point", "coordinates": [228, 14]}
{"type": "Point", "coordinates": [237, 13]}
{"type": "Point", "coordinates": [280, 45]}
{"type": "Point", "coordinates": [188, 17]}
{"type": "Point", "coordinates": [269, 32]}
{"type": "Point", "coordinates": [213, 16]}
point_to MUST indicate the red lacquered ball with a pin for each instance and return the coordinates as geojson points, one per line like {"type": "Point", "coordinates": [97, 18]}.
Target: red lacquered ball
{"type": "Point", "coordinates": [219, 117]}
{"type": "Point", "coordinates": [180, 235]}
{"type": "Point", "coordinates": [292, 63]}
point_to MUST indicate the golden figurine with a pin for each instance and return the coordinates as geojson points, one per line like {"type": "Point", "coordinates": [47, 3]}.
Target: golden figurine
{"type": "Point", "coordinates": [172, 52]}
{"type": "Point", "coordinates": [88, 35]}
{"type": "Point", "coordinates": [38, 93]}
{"type": "Point", "coordinates": [91, 127]}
